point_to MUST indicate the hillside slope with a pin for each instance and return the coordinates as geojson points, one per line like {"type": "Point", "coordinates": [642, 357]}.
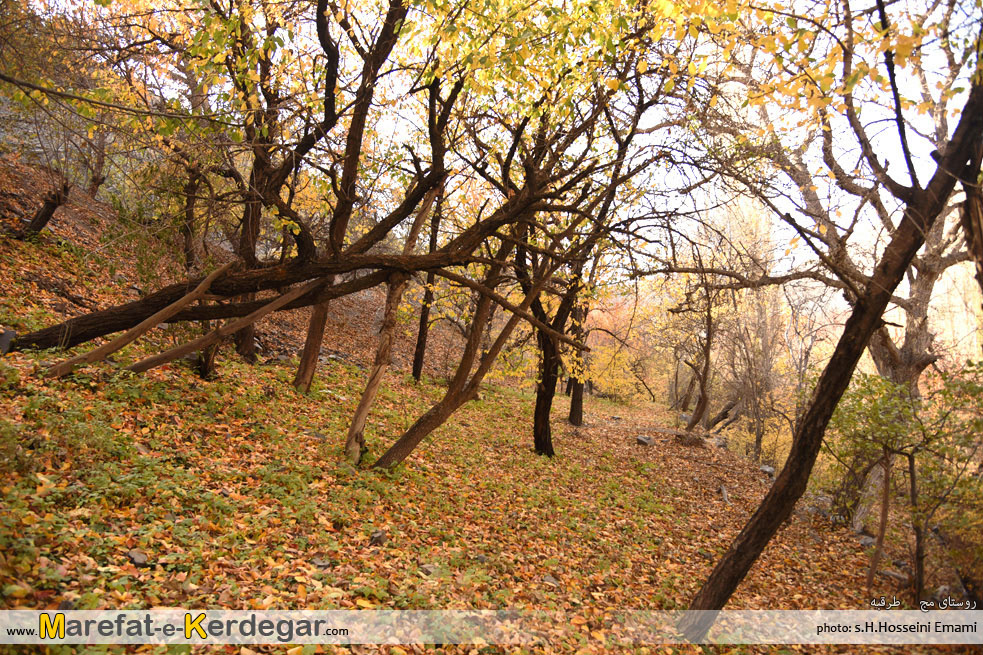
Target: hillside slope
{"type": "Point", "coordinates": [125, 491]}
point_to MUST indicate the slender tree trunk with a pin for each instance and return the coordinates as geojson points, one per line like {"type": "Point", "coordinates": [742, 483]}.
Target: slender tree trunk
{"type": "Point", "coordinates": [312, 345]}
{"type": "Point", "coordinates": [96, 175]}
{"type": "Point", "coordinates": [453, 398]}
{"type": "Point", "coordinates": [688, 396]}
{"type": "Point", "coordinates": [188, 224]}
{"type": "Point", "coordinates": [419, 353]}
{"type": "Point", "coordinates": [918, 527]}
{"type": "Point", "coordinates": [355, 445]}
{"type": "Point", "coordinates": [246, 338]}
{"type": "Point", "coordinates": [545, 392]}
{"type": "Point", "coordinates": [218, 333]}
{"type": "Point", "coordinates": [875, 560]}
{"type": "Point", "coordinates": [921, 210]}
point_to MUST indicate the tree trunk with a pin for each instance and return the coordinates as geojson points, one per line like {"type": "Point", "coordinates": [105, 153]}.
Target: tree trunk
{"type": "Point", "coordinates": [132, 335]}
{"type": "Point", "coordinates": [248, 235]}
{"type": "Point", "coordinates": [688, 396]}
{"type": "Point", "coordinates": [355, 445]}
{"type": "Point", "coordinates": [312, 346]}
{"type": "Point", "coordinates": [52, 201]}
{"type": "Point", "coordinates": [922, 209]}
{"type": "Point", "coordinates": [918, 528]}
{"type": "Point", "coordinates": [188, 224]}
{"type": "Point", "coordinates": [96, 174]}
{"type": "Point", "coordinates": [722, 414]}
{"type": "Point", "coordinates": [864, 503]}
{"type": "Point", "coordinates": [419, 353]}
{"type": "Point", "coordinates": [549, 365]}
{"type": "Point", "coordinates": [453, 398]}
{"type": "Point", "coordinates": [218, 333]}
{"type": "Point", "coordinates": [577, 403]}
{"type": "Point", "coordinates": [875, 560]}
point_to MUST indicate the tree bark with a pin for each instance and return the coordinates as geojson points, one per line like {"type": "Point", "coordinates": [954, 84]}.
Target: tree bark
{"type": "Point", "coordinates": [97, 171]}
{"type": "Point", "coordinates": [577, 403]}
{"type": "Point", "coordinates": [918, 527]}
{"type": "Point", "coordinates": [549, 365]}
{"type": "Point", "coordinates": [921, 210]}
{"type": "Point", "coordinates": [215, 335]}
{"type": "Point", "coordinates": [420, 351]}
{"type": "Point", "coordinates": [132, 335]}
{"type": "Point", "coordinates": [875, 560]}
{"type": "Point", "coordinates": [42, 216]}
{"type": "Point", "coordinates": [355, 445]}
{"type": "Point", "coordinates": [188, 224]}
{"type": "Point", "coordinates": [312, 346]}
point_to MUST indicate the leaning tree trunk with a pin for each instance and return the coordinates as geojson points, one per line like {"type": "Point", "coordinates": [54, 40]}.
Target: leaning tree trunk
{"type": "Point", "coordinates": [549, 364]}
{"type": "Point", "coordinates": [312, 346]}
{"type": "Point", "coordinates": [922, 208]}
{"type": "Point", "coordinates": [454, 397]}
{"type": "Point", "coordinates": [355, 445]}
{"type": "Point", "coordinates": [42, 216]}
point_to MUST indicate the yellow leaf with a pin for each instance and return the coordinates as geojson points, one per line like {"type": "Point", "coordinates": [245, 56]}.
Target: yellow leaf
{"type": "Point", "coordinates": [613, 84]}
{"type": "Point", "coordinates": [367, 604]}
{"type": "Point", "coordinates": [296, 650]}
{"type": "Point", "coordinates": [642, 66]}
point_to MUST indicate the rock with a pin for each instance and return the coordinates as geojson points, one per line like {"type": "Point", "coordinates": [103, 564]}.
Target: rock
{"type": "Point", "coordinates": [138, 558]}
{"type": "Point", "coordinates": [767, 470]}
{"type": "Point", "coordinates": [642, 440]}
{"type": "Point", "coordinates": [377, 538]}
{"type": "Point", "coordinates": [6, 339]}
{"type": "Point", "coordinates": [551, 581]}
{"type": "Point", "coordinates": [867, 542]}
{"type": "Point", "coordinates": [894, 575]}
{"type": "Point", "coordinates": [428, 569]}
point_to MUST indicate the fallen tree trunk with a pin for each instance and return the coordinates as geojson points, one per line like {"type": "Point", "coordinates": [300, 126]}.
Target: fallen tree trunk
{"type": "Point", "coordinates": [229, 328]}
{"type": "Point", "coordinates": [100, 353]}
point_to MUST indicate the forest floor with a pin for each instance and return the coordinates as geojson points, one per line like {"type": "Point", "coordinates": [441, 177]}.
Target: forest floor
{"type": "Point", "coordinates": [161, 490]}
